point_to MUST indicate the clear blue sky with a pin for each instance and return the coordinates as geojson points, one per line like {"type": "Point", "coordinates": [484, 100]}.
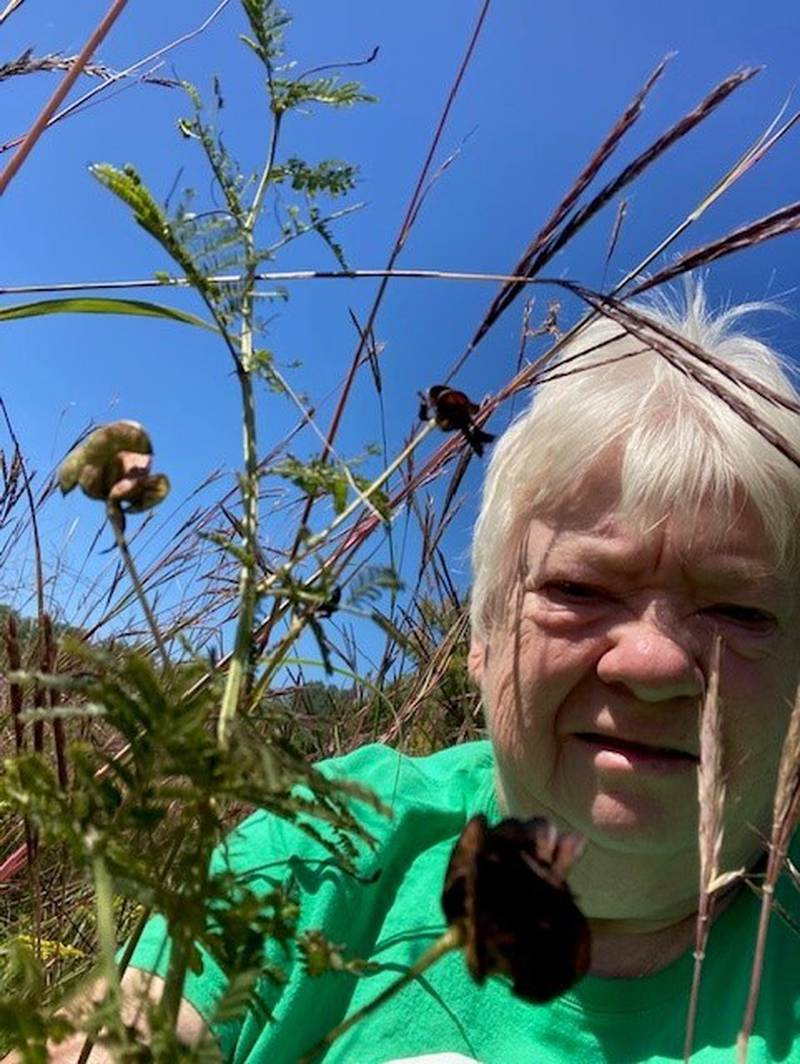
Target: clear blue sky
{"type": "Point", "coordinates": [546, 84]}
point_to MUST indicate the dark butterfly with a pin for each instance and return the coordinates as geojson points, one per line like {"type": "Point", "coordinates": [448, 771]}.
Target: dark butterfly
{"type": "Point", "coordinates": [506, 890]}
{"type": "Point", "coordinates": [453, 411]}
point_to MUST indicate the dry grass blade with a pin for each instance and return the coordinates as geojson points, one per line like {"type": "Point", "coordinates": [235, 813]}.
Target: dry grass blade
{"type": "Point", "coordinates": [616, 229]}
{"type": "Point", "coordinates": [367, 332]}
{"type": "Point", "coordinates": [628, 118]}
{"type": "Point", "coordinates": [638, 165]}
{"type": "Point", "coordinates": [28, 63]}
{"type": "Point", "coordinates": [129, 72]}
{"type": "Point", "coordinates": [622, 312]}
{"type": "Point", "coordinates": [532, 263]}
{"type": "Point", "coordinates": [784, 220]}
{"type": "Point", "coordinates": [754, 154]}
{"type": "Point", "coordinates": [785, 817]}
{"type": "Point", "coordinates": [711, 799]}
{"type": "Point", "coordinates": [532, 253]}
{"type": "Point", "coordinates": [428, 680]}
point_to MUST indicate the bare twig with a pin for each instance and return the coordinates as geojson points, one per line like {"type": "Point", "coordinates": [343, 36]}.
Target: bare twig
{"type": "Point", "coordinates": [616, 229]}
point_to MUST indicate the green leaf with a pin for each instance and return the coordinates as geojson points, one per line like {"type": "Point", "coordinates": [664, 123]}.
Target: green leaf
{"type": "Point", "coordinates": [287, 94]}
{"type": "Point", "coordinates": [332, 176]}
{"type": "Point", "coordinates": [267, 21]}
{"type": "Point", "coordinates": [86, 305]}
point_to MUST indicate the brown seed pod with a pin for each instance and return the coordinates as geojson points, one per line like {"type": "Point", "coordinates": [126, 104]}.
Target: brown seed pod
{"type": "Point", "coordinates": [505, 888]}
{"type": "Point", "coordinates": [113, 463]}
{"type": "Point", "coordinates": [99, 449]}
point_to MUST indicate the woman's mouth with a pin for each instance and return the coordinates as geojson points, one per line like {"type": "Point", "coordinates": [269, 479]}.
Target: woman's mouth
{"type": "Point", "coordinates": [611, 752]}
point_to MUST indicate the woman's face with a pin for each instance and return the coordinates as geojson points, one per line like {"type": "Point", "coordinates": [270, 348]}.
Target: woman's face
{"type": "Point", "coordinates": [593, 679]}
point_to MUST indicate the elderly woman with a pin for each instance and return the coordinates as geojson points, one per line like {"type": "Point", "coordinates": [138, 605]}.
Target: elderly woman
{"type": "Point", "coordinates": [629, 517]}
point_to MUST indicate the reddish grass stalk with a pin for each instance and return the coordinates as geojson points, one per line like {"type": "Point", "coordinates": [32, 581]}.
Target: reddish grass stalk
{"type": "Point", "coordinates": [366, 332]}
{"type": "Point", "coordinates": [83, 101]}
{"type": "Point", "coordinates": [59, 739]}
{"type": "Point", "coordinates": [58, 96]}
{"type": "Point", "coordinates": [674, 348]}
{"type": "Point", "coordinates": [784, 220]}
{"type": "Point", "coordinates": [14, 687]}
{"type": "Point", "coordinates": [402, 236]}
{"type": "Point", "coordinates": [551, 239]}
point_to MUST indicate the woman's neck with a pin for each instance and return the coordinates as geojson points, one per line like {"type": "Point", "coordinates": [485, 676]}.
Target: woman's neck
{"type": "Point", "coordinates": [628, 950]}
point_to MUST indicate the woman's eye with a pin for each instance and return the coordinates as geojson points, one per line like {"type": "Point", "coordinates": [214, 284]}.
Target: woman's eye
{"type": "Point", "coordinates": [574, 592]}
{"type": "Point", "coordinates": [745, 616]}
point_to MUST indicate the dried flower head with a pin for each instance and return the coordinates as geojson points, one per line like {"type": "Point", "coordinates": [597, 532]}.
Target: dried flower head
{"type": "Point", "coordinates": [113, 463]}
{"type": "Point", "coordinates": [506, 890]}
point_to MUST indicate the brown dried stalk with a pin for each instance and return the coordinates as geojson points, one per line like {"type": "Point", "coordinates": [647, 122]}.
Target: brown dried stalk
{"type": "Point", "coordinates": [411, 214]}
{"type": "Point", "coordinates": [130, 71]}
{"type": "Point", "coordinates": [532, 257]}
{"type": "Point", "coordinates": [616, 229]}
{"type": "Point", "coordinates": [14, 688]}
{"type": "Point", "coordinates": [711, 798]}
{"type": "Point", "coordinates": [28, 63]}
{"type": "Point", "coordinates": [785, 818]}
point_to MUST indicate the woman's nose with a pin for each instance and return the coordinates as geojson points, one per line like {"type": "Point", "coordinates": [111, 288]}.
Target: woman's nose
{"type": "Point", "coordinates": [656, 662]}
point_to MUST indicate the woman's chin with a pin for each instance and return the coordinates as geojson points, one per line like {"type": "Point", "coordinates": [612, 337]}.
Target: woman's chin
{"type": "Point", "coordinates": [639, 824]}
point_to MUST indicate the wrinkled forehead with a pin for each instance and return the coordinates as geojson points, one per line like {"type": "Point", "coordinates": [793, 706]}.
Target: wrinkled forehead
{"type": "Point", "coordinates": [593, 520]}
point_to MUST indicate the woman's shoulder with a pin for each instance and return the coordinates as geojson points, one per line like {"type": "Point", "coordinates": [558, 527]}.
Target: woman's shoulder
{"type": "Point", "coordinates": [446, 777]}
{"type": "Point", "coordinates": [406, 801]}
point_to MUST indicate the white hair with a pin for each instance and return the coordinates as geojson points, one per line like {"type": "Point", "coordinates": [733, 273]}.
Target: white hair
{"type": "Point", "coordinates": [680, 448]}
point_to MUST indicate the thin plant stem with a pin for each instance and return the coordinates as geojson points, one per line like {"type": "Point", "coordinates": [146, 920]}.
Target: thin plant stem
{"type": "Point", "coordinates": [450, 940]}
{"type": "Point", "coordinates": [240, 666]}
{"type": "Point", "coordinates": [263, 182]}
{"type": "Point", "coordinates": [319, 537]}
{"type": "Point", "coordinates": [415, 274]}
{"type": "Point", "coordinates": [106, 935]}
{"type": "Point", "coordinates": [115, 519]}
{"type": "Point", "coordinates": [240, 659]}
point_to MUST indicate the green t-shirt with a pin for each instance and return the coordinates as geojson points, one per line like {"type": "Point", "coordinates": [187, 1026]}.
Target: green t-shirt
{"type": "Point", "coordinates": [392, 917]}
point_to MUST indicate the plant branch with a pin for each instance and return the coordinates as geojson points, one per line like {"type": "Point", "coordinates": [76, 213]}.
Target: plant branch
{"type": "Point", "coordinates": [115, 519]}
{"type": "Point", "coordinates": [446, 943]}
